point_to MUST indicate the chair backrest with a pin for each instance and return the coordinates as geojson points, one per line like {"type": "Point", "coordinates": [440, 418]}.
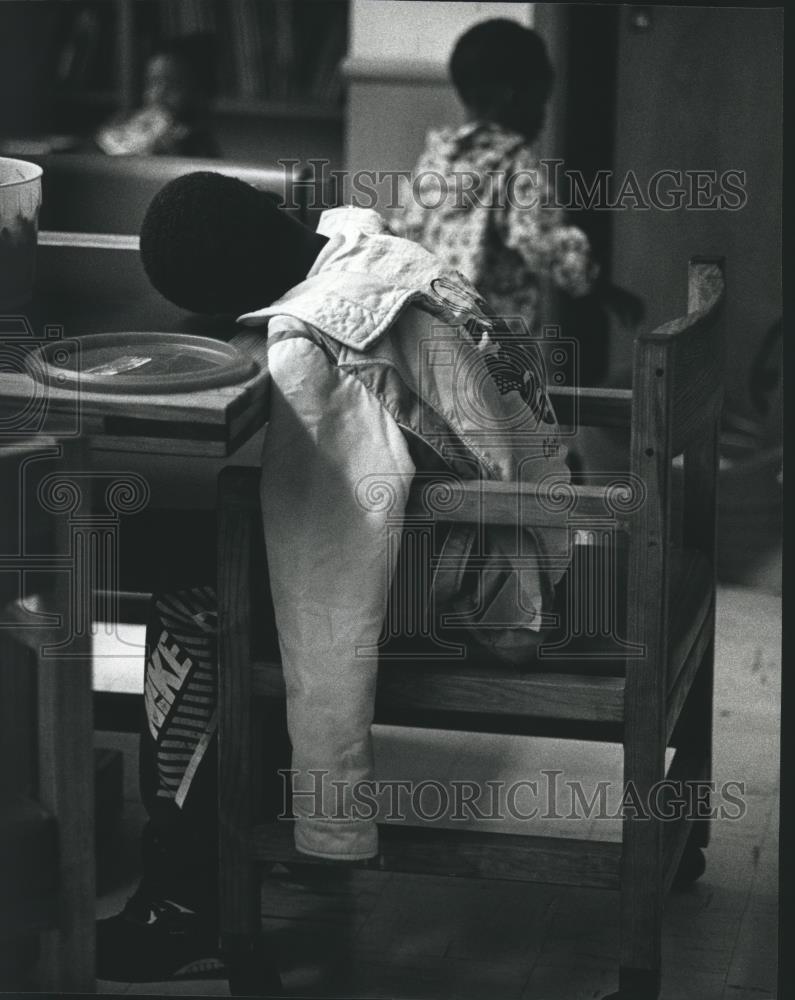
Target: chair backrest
{"type": "Point", "coordinates": [677, 394]}
{"type": "Point", "coordinates": [92, 193]}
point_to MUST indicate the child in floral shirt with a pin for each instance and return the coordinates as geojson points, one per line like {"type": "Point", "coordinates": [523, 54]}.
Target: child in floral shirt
{"type": "Point", "coordinates": [480, 198]}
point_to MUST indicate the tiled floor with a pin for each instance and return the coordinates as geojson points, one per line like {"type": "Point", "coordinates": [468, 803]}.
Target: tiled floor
{"type": "Point", "coordinates": [424, 937]}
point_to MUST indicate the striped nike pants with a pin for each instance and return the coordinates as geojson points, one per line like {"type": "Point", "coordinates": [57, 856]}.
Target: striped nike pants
{"type": "Point", "coordinates": [180, 687]}
{"type": "Point", "coordinates": [172, 553]}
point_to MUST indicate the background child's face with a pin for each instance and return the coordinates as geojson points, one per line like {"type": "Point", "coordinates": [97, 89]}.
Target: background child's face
{"type": "Point", "coordinates": [167, 85]}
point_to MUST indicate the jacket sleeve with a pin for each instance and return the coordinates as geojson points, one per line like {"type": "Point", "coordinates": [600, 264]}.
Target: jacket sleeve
{"type": "Point", "coordinates": [328, 439]}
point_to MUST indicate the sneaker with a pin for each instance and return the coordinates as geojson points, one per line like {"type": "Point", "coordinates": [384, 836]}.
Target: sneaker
{"type": "Point", "coordinates": [153, 940]}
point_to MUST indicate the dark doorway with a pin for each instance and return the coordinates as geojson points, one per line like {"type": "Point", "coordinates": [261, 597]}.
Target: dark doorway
{"type": "Point", "coordinates": [581, 131]}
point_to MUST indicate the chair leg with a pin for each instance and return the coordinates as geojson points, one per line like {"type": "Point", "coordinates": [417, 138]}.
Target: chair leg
{"type": "Point", "coordinates": [641, 911]}
{"type": "Point", "coordinates": [251, 967]}
{"type": "Point", "coordinates": [636, 984]}
{"type": "Point", "coordinates": [697, 736]}
{"type": "Point", "coordinates": [66, 787]}
{"type": "Point", "coordinates": [693, 739]}
{"type": "Point", "coordinates": [250, 964]}
{"type": "Point", "coordinates": [252, 971]}
{"type": "Point", "coordinates": [642, 876]}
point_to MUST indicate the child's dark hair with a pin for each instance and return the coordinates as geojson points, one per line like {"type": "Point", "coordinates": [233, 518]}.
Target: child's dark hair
{"type": "Point", "coordinates": [499, 53]}
{"type": "Point", "coordinates": [214, 244]}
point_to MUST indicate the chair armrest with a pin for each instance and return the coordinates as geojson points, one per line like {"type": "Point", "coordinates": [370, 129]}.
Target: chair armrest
{"type": "Point", "coordinates": [591, 407]}
{"type": "Point", "coordinates": [546, 504]}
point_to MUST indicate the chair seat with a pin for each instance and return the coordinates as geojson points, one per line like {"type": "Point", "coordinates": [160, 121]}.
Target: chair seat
{"type": "Point", "coordinates": [464, 693]}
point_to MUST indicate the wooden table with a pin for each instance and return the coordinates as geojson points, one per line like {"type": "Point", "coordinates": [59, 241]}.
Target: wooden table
{"type": "Point", "coordinates": [89, 284]}
{"type": "Point", "coordinates": [175, 443]}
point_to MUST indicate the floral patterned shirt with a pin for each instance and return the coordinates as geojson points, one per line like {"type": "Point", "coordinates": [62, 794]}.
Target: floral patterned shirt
{"type": "Point", "coordinates": [481, 202]}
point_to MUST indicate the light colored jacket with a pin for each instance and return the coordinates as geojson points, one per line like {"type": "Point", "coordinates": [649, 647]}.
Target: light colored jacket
{"type": "Point", "coordinates": [381, 344]}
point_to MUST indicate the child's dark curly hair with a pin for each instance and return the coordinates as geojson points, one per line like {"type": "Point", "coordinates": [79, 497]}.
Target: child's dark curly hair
{"type": "Point", "coordinates": [499, 53]}
{"type": "Point", "coordinates": [214, 244]}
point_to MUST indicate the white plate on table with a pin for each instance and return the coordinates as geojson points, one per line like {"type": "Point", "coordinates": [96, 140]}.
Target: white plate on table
{"type": "Point", "coordinates": [152, 363]}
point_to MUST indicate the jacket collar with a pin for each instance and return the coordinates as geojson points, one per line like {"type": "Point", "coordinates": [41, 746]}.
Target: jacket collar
{"type": "Point", "coordinates": [364, 278]}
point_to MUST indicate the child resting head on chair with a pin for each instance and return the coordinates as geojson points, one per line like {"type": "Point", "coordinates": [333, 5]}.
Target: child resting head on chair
{"type": "Point", "coordinates": [384, 369]}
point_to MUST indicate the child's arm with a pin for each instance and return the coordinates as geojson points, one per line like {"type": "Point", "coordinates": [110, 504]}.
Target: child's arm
{"type": "Point", "coordinates": [534, 227]}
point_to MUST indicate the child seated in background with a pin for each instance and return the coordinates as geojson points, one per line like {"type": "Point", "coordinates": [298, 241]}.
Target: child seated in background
{"type": "Point", "coordinates": [493, 217]}
{"type": "Point", "coordinates": [172, 120]}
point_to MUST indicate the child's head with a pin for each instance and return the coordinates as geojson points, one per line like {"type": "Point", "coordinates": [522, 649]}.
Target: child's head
{"type": "Point", "coordinates": [502, 73]}
{"type": "Point", "coordinates": [177, 78]}
{"type": "Point", "coordinates": [214, 244]}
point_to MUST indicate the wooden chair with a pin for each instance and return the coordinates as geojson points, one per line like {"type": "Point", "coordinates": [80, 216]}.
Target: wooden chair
{"type": "Point", "coordinates": [46, 734]}
{"type": "Point", "coordinates": [651, 689]}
